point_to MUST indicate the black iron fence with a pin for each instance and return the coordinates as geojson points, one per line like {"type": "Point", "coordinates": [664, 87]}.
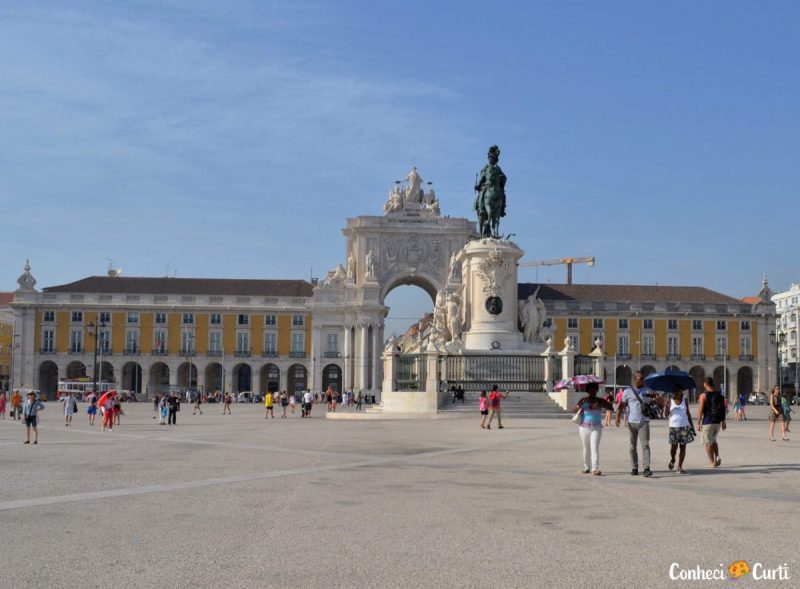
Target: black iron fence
{"type": "Point", "coordinates": [411, 372]}
{"type": "Point", "coordinates": [584, 365]}
{"type": "Point", "coordinates": [557, 373]}
{"type": "Point", "coordinates": [515, 373]}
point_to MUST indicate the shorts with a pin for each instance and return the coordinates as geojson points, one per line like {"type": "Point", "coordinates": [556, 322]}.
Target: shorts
{"type": "Point", "coordinates": [710, 432]}
{"type": "Point", "coordinates": [91, 410]}
{"type": "Point", "coordinates": [30, 421]}
{"type": "Point", "coordinates": [681, 435]}
{"type": "Point", "coordinates": [775, 417]}
{"type": "Point", "coordinates": [485, 412]}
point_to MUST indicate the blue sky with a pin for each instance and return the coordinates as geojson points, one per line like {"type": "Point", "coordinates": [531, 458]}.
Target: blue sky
{"type": "Point", "coordinates": [232, 139]}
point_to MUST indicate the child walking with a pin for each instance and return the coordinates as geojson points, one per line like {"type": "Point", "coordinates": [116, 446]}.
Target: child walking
{"type": "Point", "coordinates": [483, 405]}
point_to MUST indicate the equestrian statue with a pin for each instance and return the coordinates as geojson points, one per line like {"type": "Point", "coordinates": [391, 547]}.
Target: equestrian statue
{"type": "Point", "coordinates": [490, 196]}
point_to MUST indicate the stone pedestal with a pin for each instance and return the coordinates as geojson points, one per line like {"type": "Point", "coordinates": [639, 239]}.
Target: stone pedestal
{"type": "Point", "coordinates": [489, 275]}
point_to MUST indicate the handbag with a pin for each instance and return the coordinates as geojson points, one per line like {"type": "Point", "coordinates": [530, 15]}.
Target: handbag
{"type": "Point", "coordinates": [578, 417]}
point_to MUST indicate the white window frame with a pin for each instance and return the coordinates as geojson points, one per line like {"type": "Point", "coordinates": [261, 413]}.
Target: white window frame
{"type": "Point", "coordinates": [270, 342]}
{"type": "Point", "coordinates": [298, 336]}
{"type": "Point", "coordinates": [160, 315]}
{"type": "Point", "coordinates": [243, 342]}
{"type": "Point", "coordinates": [49, 340]}
{"type": "Point", "coordinates": [673, 345]}
{"type": "Point", "coordinates": [270, 320]}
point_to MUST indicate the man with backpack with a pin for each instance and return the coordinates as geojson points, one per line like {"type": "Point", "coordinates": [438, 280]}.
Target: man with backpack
{"type": "Point", "coordinates": [711, 409]}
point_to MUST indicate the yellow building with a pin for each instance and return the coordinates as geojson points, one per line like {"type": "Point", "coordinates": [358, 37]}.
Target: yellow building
{"type": "Point", "coordinates": [655, 328]}
{"type": "Point", "coordinates": [154, 334]}
{"type": "Point", "coordinates": [6, 339]}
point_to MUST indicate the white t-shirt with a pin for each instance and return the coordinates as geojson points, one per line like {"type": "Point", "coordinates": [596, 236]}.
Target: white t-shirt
{"type": "Point", "coordinates": [308, 397]}
{"type": "Point", "coordinates": [68, 405]}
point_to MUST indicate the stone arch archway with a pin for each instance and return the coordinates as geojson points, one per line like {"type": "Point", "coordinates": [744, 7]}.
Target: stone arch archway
{"type": "Point", "coordinates": [76, 369]}
{"type": "Point", "coordinates": [107, 371]}
{"type": "Point", "coordinates": [647, 369]}
{"type": "Point", "coordinates": [158, 379]}
{"type": "Point", "coordinates": [297, 378]}
{"type": "Point", "coordinates": [697, 373]}
{"type": "Point", "coordinates": [411, 243]}
{"type": "Point", "coordinates": [332, 376]}
{"type": "Point", "coordinates": [744, 380]}
{"type": "Point", "coordinates": [427, 283]}
{"type": "Point", "coordinates": [624, 375]}
{"type": "Point", "coordinates": [270, 378]}
{"type": "Point", "coordinates": [242, 378]}
{"type": "Point", "coordinates": [213, 374]}
{"type": "Point", "coordinates": [48, 378]}
{"type": "Point", "coordinates": [132, 377]}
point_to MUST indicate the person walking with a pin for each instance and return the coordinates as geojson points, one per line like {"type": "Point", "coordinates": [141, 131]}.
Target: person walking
{"type": "Point", "coordinates": [157, 405]}
{"type": "Point", "coordinates": [30, 413]}
{"type": "Point", "coordinates": [742, 405]}
{"type": "Point", "coordinates": [163, 410]}
{"type": "Point", "coordinates": [618, 400]}
{"type": "Point", "coordinates": [359, 400]}
{"type": "Point", "coordinates": [590, 428]}
{"type": "Point", "coordinates": [494, 406]}
{"type": "Point", "coordinates": [3, 404]}
{"type": "Point", "coordinates": [308, 402]}
{"type": "Point", "coordinates": [197, 403]}
{"type": "Point", "coordinates": [226, 404]}
{"type": "Point", "coordinates": [108, 413]}
{"type": "Point", "coordinates": [118, 412]}
{"type": "Point", "coordinates": [329, 397]}
{"type": "Point", "coordinates": [16, 405]}
{"type": "Point", "coordinates": [786, 406]}
{"type": "Point", "coordinates": [636, 400]}
{"type": "Point", "coordinates": [609, 398]}
{"type": "Point", "coordinates": [292, 401]}
{"type": "Point", "coordinates": [284, 404]}
{"type": "Point", "coordinates": [711, 418]}
{"type": "Point", "coordinates": [91, 407]}
{"type": "Point", "coordinates": [268, 403]}
{"type": "Point", "coordinates": [69, 408]}
{"type": "Point", "coordinates": [483, 407]}
{"type": "Point", "coordinates": [173, 404]}
{"type": "Point", "coordinates": [776, 414]}
{"type": "Point", "coordinates": [681, 428]}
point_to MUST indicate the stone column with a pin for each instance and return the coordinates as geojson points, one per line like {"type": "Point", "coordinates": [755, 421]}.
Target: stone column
{"type": "Point", "coordinates": [347, 370]}
{"type": "Point", "coordinates": [316, 357]}
{"type": "Point", "coordinates": [389, 371]}
{"type": "Point", "coordinates": [432, 377]}
{"type": "Point", "coordinates": [549, 369]}
{"type": "Point", "coordinates": [567, 360]}
{"type": "Point", "coordinates": [362, 359]}
{"type": "Point", "coordinates": [598, 362]}
{"type": "Point", "coordinates": [201, 379]}
{"type": "Point", "coordinates": [377, 346]}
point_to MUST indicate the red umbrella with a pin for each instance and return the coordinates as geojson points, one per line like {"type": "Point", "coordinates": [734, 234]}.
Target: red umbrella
{"type": "Point", "coordinates": [105, 396]}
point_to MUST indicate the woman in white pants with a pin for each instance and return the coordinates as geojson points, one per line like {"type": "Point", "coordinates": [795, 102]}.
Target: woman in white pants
{"type": "Point", "coordinates": [591, 428]}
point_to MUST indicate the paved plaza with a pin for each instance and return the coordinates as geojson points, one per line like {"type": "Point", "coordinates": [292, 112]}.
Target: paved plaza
{"type": "Point", "coordinates": [234, 501]}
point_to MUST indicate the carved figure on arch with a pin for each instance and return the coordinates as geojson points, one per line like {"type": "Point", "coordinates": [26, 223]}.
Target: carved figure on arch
{"type": "Point", "coordinates": [369, 266]}
{"type": "Point", "coordinates": [351, 267]}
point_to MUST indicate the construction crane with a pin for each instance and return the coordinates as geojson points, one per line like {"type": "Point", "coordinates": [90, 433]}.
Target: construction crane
{"type": "Point", "coordinates": [588, 260]}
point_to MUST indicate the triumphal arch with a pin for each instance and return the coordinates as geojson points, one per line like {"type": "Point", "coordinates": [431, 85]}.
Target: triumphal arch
{"type": "Point", "coordinates": [410, 243]}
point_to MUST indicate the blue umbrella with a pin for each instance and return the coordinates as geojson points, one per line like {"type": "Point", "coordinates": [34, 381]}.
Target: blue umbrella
{"type": "Point", "coordinates": [666, 381]}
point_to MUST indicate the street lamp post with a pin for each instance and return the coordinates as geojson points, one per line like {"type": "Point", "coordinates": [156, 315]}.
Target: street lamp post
{"type": "Point", "coordinates": [189, 348]}
{"type": "Point", "coordinates": [777, 339]}
{"type": "Point", "coordinates": [95, 331]}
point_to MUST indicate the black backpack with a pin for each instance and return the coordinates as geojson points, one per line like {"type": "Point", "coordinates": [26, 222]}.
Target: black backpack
{"type": "Point", "coordinates": [715, 408]}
